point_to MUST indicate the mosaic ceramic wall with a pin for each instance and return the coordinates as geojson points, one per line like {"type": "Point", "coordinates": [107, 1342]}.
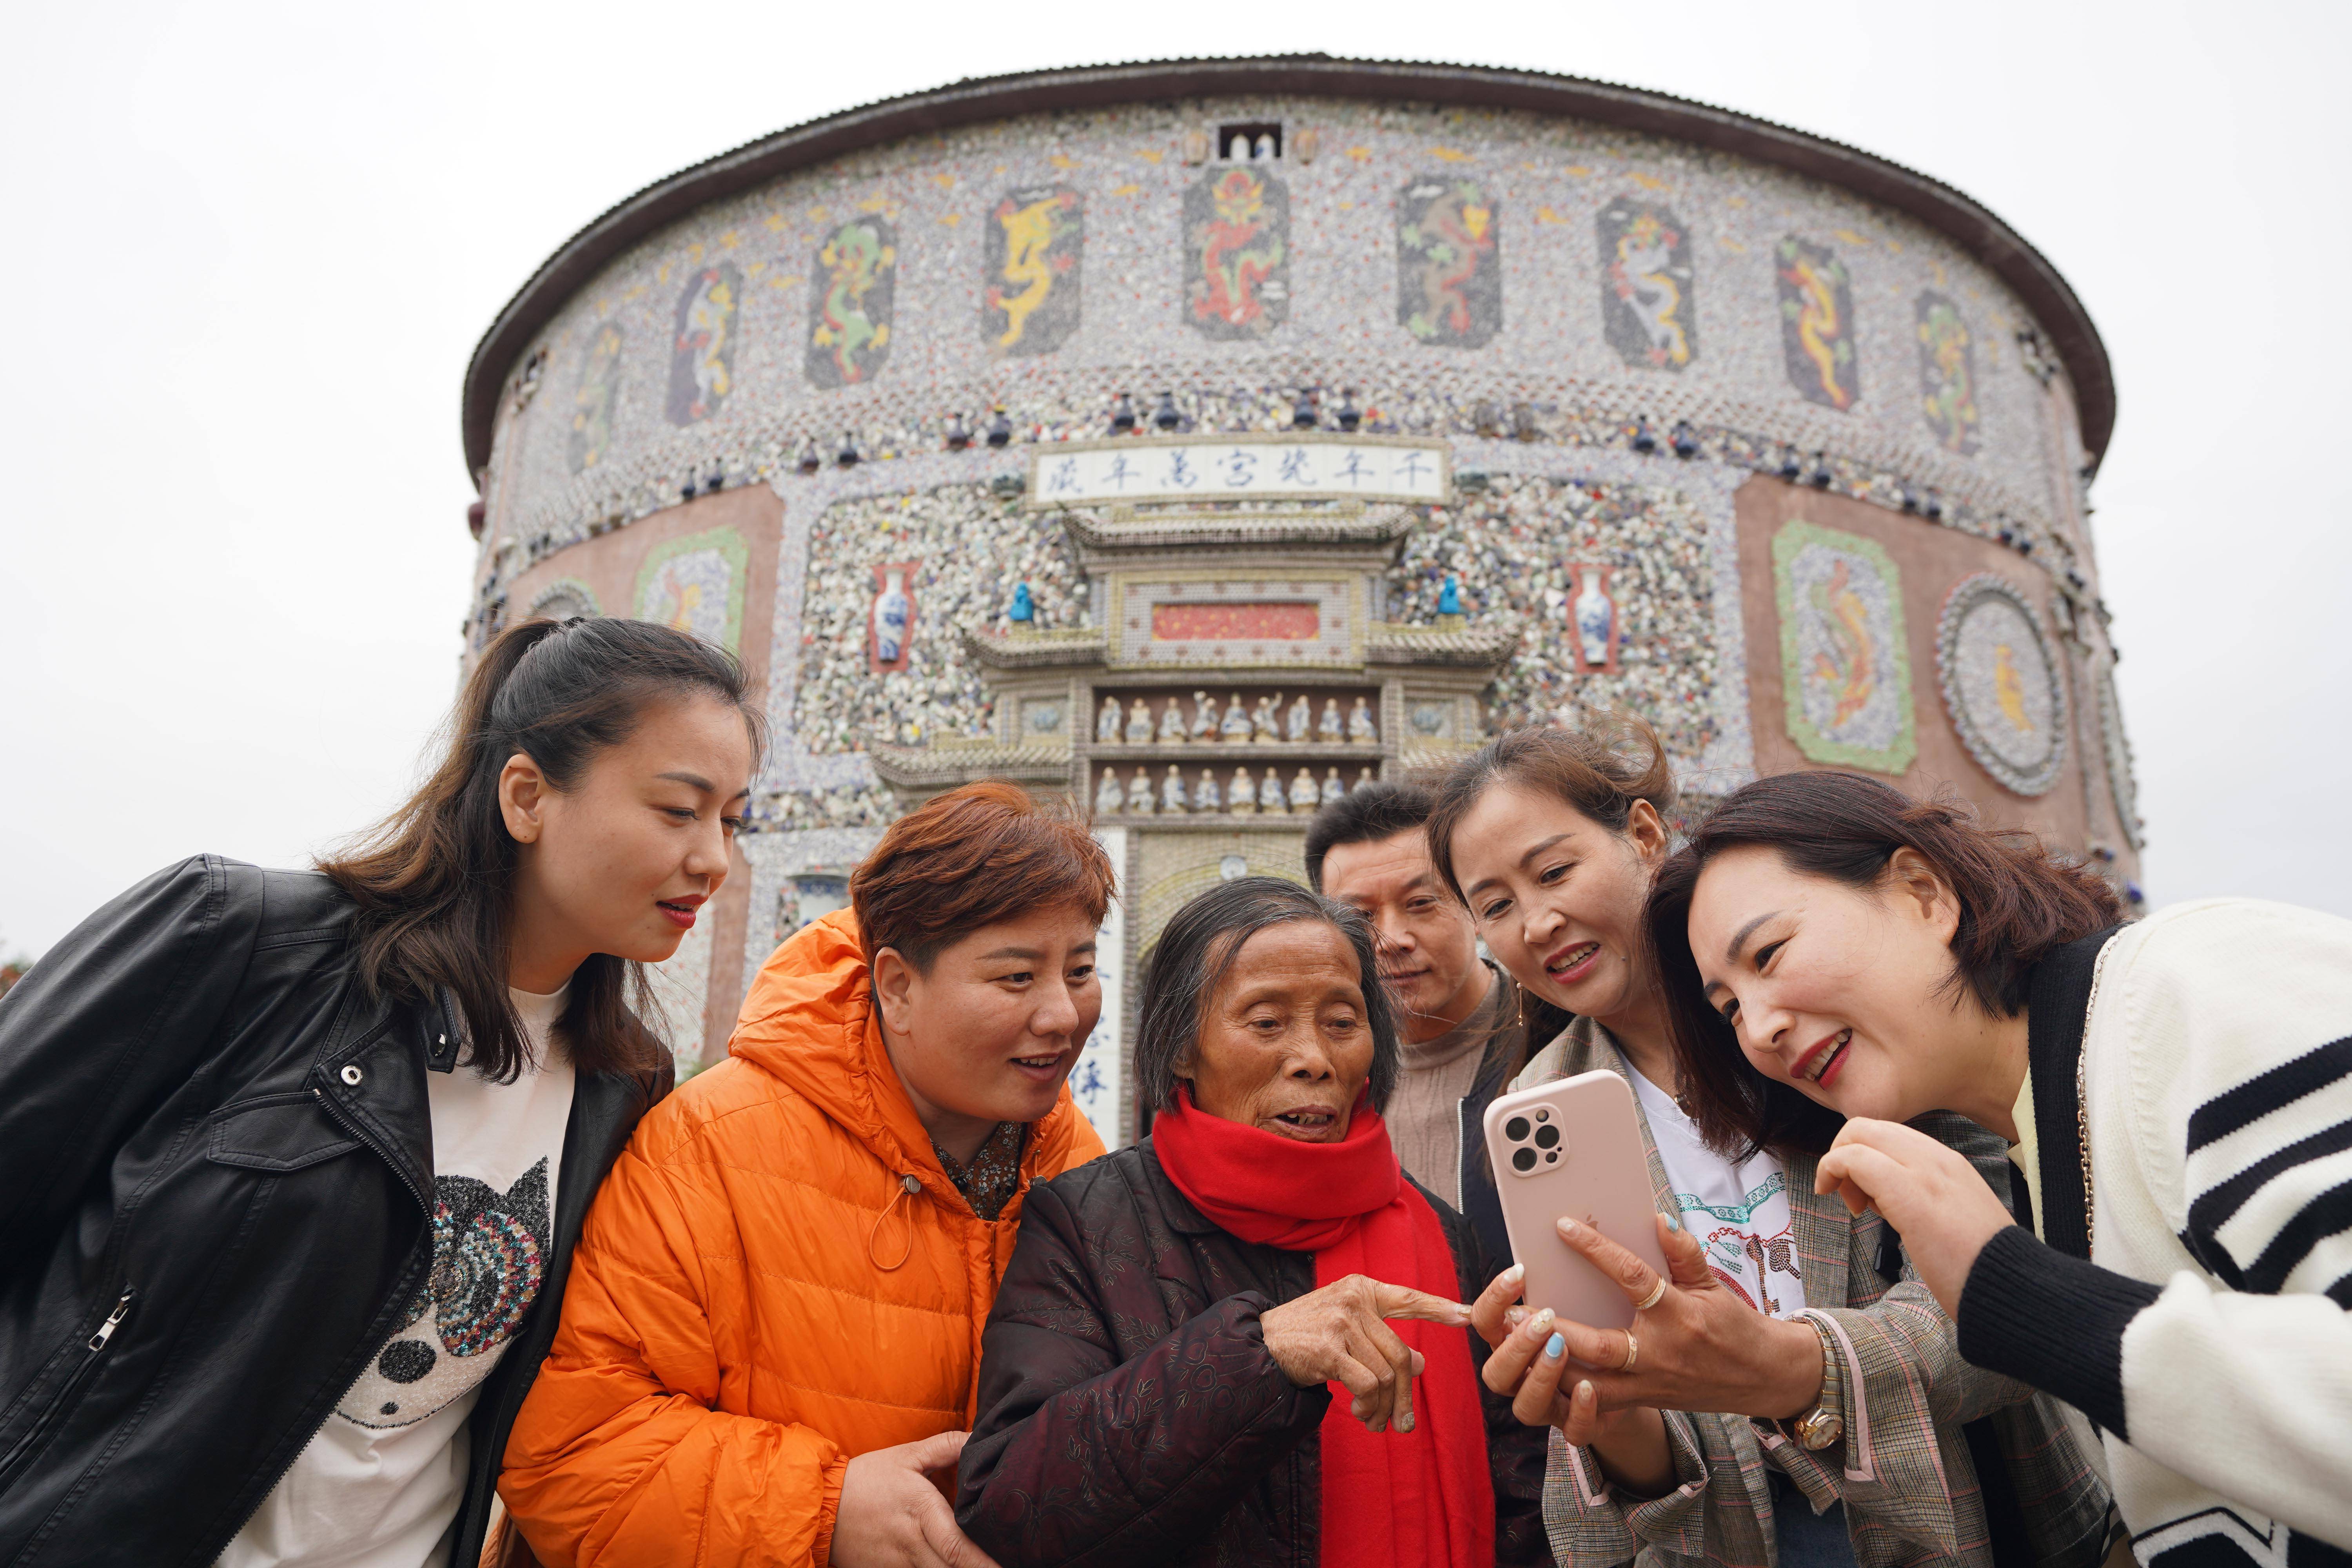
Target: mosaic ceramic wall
{"type": "Point", "coordinates": [1613, 333]}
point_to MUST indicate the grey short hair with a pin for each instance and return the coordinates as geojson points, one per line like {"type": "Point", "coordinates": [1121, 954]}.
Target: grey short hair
{"type": "Point", "coordinates": [1196, 951]}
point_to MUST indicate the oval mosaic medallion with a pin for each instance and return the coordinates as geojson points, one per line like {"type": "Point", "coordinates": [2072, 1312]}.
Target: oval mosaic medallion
{"type": "Point", "coordinates": [2001, 682]}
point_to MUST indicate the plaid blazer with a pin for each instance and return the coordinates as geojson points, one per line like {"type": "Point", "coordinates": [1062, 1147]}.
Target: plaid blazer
{"type": "Point", "coordinates": [1903, 1469]}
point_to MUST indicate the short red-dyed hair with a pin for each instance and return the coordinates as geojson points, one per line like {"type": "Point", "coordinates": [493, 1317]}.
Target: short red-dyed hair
{"type": "Point", "coordinates": [968, 858]}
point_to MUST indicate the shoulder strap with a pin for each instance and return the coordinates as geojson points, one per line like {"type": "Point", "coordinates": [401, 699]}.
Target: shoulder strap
{"type": "Point", "coordinates": [2058, 998]}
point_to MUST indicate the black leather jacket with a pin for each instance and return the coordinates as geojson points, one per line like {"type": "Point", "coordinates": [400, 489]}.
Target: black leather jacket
{"type": "Point", "coordinates": [215, 1193]}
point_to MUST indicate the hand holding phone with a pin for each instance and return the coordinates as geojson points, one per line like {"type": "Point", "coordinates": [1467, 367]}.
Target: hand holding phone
{"type": "Point", "coordinates": [1574, 1147]}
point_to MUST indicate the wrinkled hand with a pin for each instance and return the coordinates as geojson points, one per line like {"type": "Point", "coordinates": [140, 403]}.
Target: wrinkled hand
{"type": "Point", "coordinates": [894, 1510]}
{"type": "Point", "coordinates": [1933, 1197]}
{"type": "Point", "coordinates": [1339, 1334]}
{"type": "Point", "coordinates": [1699, 1347]}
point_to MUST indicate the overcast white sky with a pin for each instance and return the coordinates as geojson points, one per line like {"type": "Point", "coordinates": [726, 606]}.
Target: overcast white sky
{"type": "Point", "coordinates": [250, 246]}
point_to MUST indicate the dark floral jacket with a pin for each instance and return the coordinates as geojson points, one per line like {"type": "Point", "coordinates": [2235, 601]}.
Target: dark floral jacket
{"type": "Point", "coordinates": [1129, 1413]}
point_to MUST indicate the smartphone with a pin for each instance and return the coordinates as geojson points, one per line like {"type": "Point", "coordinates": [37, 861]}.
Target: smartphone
{"type": "Point", "coordinates": [1573, 1146]}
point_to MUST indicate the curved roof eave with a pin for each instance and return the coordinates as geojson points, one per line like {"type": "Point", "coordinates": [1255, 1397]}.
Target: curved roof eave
{"type": "Point", "coordinates": [974, 100]}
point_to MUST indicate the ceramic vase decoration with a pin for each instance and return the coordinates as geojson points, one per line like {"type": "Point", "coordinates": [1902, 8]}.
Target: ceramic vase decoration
{"type": "Point", "coordinates": [892, 609]}
{"type": "Point", "coordinates": [1025, 609]}
{"type": "Point", "coordinates": [1595, 614]}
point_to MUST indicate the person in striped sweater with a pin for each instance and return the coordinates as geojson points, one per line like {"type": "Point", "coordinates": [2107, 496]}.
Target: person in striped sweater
{"type": "Point", "coordinates": [2177, 1264]}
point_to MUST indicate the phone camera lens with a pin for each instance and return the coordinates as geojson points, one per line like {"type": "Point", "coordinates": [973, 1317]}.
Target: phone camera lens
{"type": "Point", "coordinates": [1543, 1116]}
{"type": "Point", "coordinates": [1523, 1159]}
{"type": "Point", "coordinates": [1553, 1158]}
{"type": "Point", "coordinates": [1515, 1130]}
{"type": "Point", "coordinates": [1548, 1137]}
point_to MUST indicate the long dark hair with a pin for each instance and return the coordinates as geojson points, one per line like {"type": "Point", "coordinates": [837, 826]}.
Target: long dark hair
{"type": "Point", "coordinates": [1197, 950]}
{"type": "Point", "coordinates": [2016, 902]}
{"type": "Point", "coordinates": [433, 880]}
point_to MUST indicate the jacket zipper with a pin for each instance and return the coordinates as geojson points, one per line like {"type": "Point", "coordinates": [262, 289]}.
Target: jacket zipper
{"type": "Point", "coordinates": [47, 1420]}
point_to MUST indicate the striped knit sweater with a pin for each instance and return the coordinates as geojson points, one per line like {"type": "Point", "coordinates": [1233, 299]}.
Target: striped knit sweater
{"type": "Point", "coordinates": [2195, 1308]}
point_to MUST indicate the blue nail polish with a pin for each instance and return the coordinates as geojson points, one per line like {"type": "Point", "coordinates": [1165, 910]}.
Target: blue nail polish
{"type": "Point", "coordinates": [1554, 1347]}
{"type": "Point", "coordinates": [1673, 1224]}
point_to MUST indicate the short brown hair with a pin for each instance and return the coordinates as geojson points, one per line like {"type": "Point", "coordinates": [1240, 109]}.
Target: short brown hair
{"type": "Point", "coordinates": [968, 858]}
{"type": "Point", "coordinates": [1600, 771]}
{"type": "Point", "coordinates": [2017, 901]}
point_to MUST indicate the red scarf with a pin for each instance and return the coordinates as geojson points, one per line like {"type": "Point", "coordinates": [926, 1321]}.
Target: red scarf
{"type": "Point", "coordinates": [1422, 1498]}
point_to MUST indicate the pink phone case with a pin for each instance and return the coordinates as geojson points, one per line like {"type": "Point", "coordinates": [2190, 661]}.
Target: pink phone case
{"type": "Point", "coordinates": [1574, 1147]}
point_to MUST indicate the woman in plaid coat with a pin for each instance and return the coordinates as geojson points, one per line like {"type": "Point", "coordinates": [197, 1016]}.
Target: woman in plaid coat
{"type": "Point", "coordinates": [1791, 1394]}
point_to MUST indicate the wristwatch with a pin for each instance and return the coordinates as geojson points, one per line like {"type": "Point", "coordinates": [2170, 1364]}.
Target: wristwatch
{"type": "Point", "coordinates": [1821, 1426]}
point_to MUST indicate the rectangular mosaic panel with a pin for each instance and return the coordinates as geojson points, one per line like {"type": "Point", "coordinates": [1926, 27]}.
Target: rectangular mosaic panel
{"type": "Point", "coordinates": [1240, 622]}
{"type": "Point", "coordinates": [1845, 668]}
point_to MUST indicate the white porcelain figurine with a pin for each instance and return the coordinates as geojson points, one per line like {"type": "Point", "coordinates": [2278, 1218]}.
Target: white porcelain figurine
{"type": "Point", "coordinates": [1172, 793]}
{"type": "Point", "coordinates": [1206, 796]}
{"type": "Point", "coordinates": [1139, 725]}
{"type": "Point", "coordinates": [1109, 796]}
{"type": "Point", "coordinates": [1139, 795]}
{"type": "Point", "coordinates": [1171, 724]}
{"type": "Point", "coordinates": [1236, 726]}
{"type": "Point", "coordinates": [1240, 798]}
{"type": "Point", "coordinates": [1332, 788]}
{"type": "Point", "coordinates": [1304, 796]}
{"type": "Point", "coordinates": [1302, 718]}
{"type": "Point", "coordinates": [1331, 727]}
{"type": "Point", "coordinates": [1361, 728]}
{"type": "Point", "coordinates": [1270, 795]}
{"type": "Point", "coordinates": [1204, 717]}
{"type": "Point", "coordinates": [1107, 722]}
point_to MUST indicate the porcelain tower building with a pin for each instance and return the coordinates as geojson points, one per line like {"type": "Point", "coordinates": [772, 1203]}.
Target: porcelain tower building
{"type": "Point", "coordinates": [1203, 437]}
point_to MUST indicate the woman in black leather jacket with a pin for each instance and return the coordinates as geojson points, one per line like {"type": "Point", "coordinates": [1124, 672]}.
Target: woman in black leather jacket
{"type": "Point", "coordinates": [292, 1164]}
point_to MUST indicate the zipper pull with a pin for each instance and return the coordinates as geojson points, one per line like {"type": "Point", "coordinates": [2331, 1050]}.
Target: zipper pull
{"type": "Point", "coordinates": [114, 1320]}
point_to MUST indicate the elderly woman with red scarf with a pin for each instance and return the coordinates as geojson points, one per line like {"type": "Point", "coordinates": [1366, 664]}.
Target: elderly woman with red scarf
{"type": "Point", "coordinates": [1243, 1340]}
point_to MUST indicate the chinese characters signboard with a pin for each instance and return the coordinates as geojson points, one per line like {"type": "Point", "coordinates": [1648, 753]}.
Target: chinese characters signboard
{"type": "Point", "coordinates": [1232, 468]}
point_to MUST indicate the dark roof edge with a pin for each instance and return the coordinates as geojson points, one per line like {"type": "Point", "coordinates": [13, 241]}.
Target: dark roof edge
{"type": "Point", "coordinates": [1948, 211]}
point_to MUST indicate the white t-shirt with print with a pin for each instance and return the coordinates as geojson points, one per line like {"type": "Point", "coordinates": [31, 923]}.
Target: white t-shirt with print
{"type": "Point", "coordinates": [379, 1485]}
{"type": "Point", "coordinates": [1740, 1213]}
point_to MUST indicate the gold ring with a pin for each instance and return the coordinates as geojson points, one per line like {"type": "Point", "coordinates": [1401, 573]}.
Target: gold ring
{"type": "Point", "coordinates": [1657, 1293]}
{"type": "Point", "coordinates": [1632, 1349]}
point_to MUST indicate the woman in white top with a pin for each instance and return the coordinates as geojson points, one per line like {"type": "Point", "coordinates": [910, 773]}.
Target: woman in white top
{"type": "Point", "coordinates": [292, 1164]}
{"type": "Point", "coordinates": [1797, 1396]}
{"type": "Point", "coordinates": [1840, 958]}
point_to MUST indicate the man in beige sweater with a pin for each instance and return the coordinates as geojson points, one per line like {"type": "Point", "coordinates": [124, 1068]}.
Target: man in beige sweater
{"type": "Point", "coordinates": [1460, 1016]}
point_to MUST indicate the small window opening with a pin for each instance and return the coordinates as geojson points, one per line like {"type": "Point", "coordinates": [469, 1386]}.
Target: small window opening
{"type": "Point", "coordinates": [1250, 144]}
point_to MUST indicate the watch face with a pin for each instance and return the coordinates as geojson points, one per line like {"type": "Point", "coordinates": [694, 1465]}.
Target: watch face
{"type": "Point", "coordinates": [1819, 1429]}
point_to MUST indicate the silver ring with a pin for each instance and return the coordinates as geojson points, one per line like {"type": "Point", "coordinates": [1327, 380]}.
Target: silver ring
{"type": "Point", "coordinates": [1657, 1293]}
{"type": "Point", "coordinates": [1632, 1351]}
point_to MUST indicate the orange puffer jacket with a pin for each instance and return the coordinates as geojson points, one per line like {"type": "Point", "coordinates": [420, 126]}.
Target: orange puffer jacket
{"type": "Point", "coordinates": [738, 1324]}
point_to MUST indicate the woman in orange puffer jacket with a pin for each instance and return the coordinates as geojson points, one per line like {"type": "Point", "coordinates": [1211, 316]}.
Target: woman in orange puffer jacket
{"type": "Point", "coordinates": [769, 1344]}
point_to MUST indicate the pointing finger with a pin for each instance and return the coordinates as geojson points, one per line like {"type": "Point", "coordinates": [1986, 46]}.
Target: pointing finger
{"type": "Point", "coordinates": [1404, 1301]}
